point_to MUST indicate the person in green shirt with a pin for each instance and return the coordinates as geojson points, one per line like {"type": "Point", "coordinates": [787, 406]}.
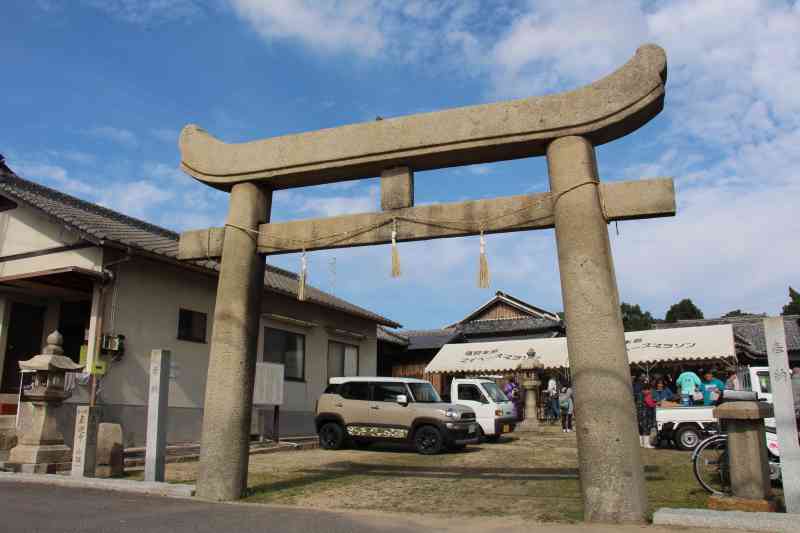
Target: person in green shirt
{"type": "Point", "coordinates": [688, 383]}
{"type": "Point", "coordinates": [712, 388]}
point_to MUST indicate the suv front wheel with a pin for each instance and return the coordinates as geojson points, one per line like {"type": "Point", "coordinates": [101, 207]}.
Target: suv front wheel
{"type": "Point", "coordinates": [331, 436]}
{"type": "Point", "coordinates": [428, 440]}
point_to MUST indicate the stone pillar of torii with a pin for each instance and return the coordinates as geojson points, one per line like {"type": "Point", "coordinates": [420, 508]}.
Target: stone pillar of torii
{"type": "Point", "coordinates": [565, 127]}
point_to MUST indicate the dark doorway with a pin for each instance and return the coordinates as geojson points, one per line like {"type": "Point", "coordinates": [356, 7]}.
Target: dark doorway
{"type": "Point", "coordinates": [24, 341]}
{"type": "Point", "coordinates": [72, 324]}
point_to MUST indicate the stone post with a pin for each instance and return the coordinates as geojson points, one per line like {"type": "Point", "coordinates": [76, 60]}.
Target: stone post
{"type": "Point", "coordinates": [609, 459]}
{"type": "Point", "coordinates": [110, 451]}
{"type": "Point", "coordinates": [747, 455]}
{"type": "Point", "coordinates": [84, 449]}
{"type": "Point", "coordinates": [531, 421]}
{"type": "Point", "coordinates": [784, 406]}
{"type": "Point", "coordinates": [157, 408]}
{"type": "Point", "coordinates": [225, 444]}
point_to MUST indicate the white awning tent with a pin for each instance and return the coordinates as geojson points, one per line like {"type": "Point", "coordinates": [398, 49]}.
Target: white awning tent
{"type": "Point", "coordinates": [644, 348]}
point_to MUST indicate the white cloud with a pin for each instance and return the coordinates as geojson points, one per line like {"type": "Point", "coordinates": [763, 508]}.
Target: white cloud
{"type": "Point", "coordinates": [328, 206]}
{"type": "Point", "coordinates": [148, 11]}
{"type": "Point", "coordinates": [556, 43]}
{"type": "Point", "coordinates": [726, 249]}
{"type": "Point", "coordinates": [54, 176]}
{"type": "Point", "coordinates": [116, 135]}
{"type": "Point", "coordinates": [161, 172]}
{"type": "Point", "coordinates": [479, 170]}
{"type": "Point", "coordinates": [405, 31]}
{"type": "Point", "coordinates": [323, 24]}
{"type": "Point", "coordinates": [75, 156]}
{"type": "Point", "coordinates": [166, 135]}
{"type": "Point", "coordinates": [136, 198]}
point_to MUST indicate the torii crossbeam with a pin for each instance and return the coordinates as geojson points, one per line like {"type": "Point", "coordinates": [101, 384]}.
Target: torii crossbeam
{"type": "Point", "coordinates": [565, 127]}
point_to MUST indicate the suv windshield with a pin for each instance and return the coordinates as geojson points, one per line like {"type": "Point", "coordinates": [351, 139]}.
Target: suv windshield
{"type": "Point", "coordinates": [494, 392]}
{"type": "Point", "coordinates": [424, 393]}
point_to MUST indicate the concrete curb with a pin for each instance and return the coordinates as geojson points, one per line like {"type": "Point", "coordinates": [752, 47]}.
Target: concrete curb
{"type": "Point", "coordinates": [115, 485]}
{"type": "Point", "coordinates": [711, 520]}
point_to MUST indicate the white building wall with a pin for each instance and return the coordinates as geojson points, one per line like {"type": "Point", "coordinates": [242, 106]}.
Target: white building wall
{"type": "Point", "coordinates": [145, 310]}
{"type": "Point", "coordinates": [24, 230]}
{"type": "Point", "coordinates": [142, 304]}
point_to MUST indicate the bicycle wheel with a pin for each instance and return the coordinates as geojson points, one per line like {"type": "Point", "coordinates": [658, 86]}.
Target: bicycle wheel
{"type": "Point", "coordinates": [711, 466]}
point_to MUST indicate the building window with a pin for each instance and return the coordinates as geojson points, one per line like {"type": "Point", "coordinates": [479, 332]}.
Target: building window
{"type": "Point", "coordinates": [342, 360]}
{"type": "Point", "coordinates": [191, 326]}
{"type": "Point", "coordinates": [288, 349]}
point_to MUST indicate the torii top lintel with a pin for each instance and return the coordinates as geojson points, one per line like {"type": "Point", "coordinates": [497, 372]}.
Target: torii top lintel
{"type": "Point", "coordinates": [607, 109]}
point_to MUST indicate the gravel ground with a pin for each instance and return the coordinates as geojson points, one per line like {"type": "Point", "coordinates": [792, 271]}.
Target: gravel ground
{"type": "Point", "coordinates": [531, 475]}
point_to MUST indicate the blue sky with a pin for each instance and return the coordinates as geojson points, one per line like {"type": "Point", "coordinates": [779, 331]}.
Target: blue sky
{"type": "Point", "coordinates": [96, 91]}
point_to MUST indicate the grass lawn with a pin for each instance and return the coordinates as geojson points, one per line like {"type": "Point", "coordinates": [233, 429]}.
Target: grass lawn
{"type": "Point", "coordinates": [532, 475]}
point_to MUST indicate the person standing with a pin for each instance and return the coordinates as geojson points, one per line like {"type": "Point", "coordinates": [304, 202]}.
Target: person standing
{"type": "Point", "coordinates": [552, 398]}
{"type": "Point", "coordinates": [513, 393]}
{"type": "Point", "coordinates": [646, 414]}
{"type": "Point", "coordinates": [688, 384]}
{"type": "Point", "coordinates": [566, 405]}
{"type": "Point", "coordinates": [712, 388]}
{"type": "Point", "coordinates": [661, 392]}
{"type": "Point", "coordinates": [732, 383]}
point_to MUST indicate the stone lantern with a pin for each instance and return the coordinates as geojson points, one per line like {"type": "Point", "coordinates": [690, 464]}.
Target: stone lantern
{"type": "Point", "coordinates": [40, 445]}
{"type": "Point", "coordinates": [531, 385]}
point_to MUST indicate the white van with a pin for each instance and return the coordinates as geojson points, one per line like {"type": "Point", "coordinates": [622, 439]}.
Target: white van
{"type": "Point", "coordinates": [687, 426]}
{"type": "Point", "coordinates": [493, 410]}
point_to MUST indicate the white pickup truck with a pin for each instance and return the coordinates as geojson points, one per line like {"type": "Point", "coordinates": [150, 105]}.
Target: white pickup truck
{"type": "Point", "coordinates": [493, 410]}
{"type": "Point", "coordinates": [686, 426]}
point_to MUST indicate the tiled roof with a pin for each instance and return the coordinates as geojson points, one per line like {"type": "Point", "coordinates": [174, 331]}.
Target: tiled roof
{"type": "Point", "coordinates": [104, 226]}
{"type": "Point", "coordinates": [392, 337]}
{"type": "Point", "coordinates": [506, 325]}
{"type": "Point", "coordinates": [748, 330]}
{"type": "Point", "coordinates": [428, 339]}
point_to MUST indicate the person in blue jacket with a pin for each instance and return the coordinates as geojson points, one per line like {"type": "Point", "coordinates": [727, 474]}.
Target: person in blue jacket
{"type": "Point", "coordinates": [662, 392]}
{"type": "Point", "coordinates": [712, 388]}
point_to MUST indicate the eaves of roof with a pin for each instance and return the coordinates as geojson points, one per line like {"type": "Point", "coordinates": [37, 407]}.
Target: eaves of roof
{"type": "Point", "coordinates": [103, 227]}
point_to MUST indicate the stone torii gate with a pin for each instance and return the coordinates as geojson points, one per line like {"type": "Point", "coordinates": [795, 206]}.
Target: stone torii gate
{"type": "Point", "coordinates": [565, 127]}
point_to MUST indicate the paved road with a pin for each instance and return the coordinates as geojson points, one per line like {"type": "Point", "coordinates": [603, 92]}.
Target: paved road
{"type": "Point", "coordinates": [35, 508]}
{"type": "Point", "coordinates": [39, 508]}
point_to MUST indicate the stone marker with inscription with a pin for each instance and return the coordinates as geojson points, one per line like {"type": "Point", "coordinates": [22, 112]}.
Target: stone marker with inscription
{"type": "Point", "coordinates": [157, 405]}
{"type": "Point", "coordinates": [783, 402]}
{"type": "Point", "coordinates": [84, 450]}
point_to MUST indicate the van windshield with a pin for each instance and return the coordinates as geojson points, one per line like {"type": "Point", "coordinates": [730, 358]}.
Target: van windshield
{"type": "Point", "coordinates": [494, 392]}
{"type": "Point", "coordinates": [424, 393]}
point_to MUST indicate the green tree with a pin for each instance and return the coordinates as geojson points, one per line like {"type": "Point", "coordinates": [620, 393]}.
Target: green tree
{"type": "Point", "coordinates": [739, 312]}
{"type": "Point", "coordinates": [683, 310]}
{"type": "Point", "coordinates": [634, 319]}
{"type": "Point", "coordinates": [793, 307]}
{"type": "Point", "coordinates": [735, 312]}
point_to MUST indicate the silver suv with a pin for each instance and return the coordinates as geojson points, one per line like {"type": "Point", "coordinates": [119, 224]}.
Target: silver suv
{"type": "Point", "coordinates": [362, 410]}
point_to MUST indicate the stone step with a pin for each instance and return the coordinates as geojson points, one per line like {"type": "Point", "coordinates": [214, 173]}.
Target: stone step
{"type": "Point", "coordinates": [185, 453]}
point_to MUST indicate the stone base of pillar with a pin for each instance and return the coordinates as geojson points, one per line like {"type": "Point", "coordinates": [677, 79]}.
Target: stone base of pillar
{"type": "Point", "coordinates": [531, 422]}
{"type": "Point", "coordinates": [732, 503]}
{"type": "Point", "coordinates": [40, 453]}
{"type": "Point", "coordinates": [37, 468]}
{"type": "Point", "coordinates": [528, 425]}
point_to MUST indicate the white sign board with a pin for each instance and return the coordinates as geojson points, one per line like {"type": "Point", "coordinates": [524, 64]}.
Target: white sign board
{"type": "Point", "coordinates": [268, 389]}
{"type": "Point", "coordinates": [783, 402]}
